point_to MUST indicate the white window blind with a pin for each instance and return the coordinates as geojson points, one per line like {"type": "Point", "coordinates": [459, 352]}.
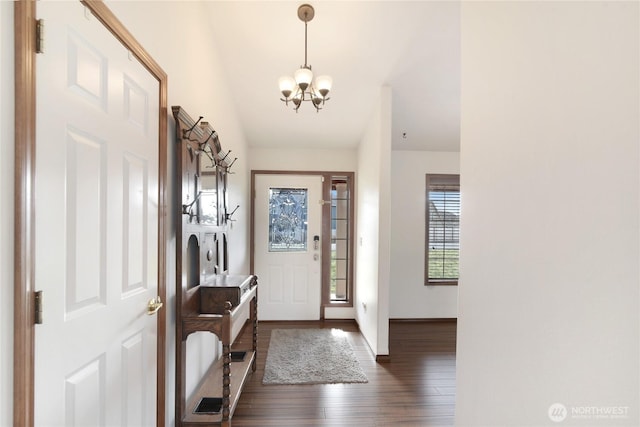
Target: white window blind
{"type": "Point", "coordinates": [443, 229]}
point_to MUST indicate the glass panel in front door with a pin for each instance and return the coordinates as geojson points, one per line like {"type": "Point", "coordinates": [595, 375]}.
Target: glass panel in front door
{"type": "Point", "coordinates": [287, 219]}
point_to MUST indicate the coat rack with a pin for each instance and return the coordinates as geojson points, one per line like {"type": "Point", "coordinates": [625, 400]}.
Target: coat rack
{"type": "Point", "coordinates": [208, 298]}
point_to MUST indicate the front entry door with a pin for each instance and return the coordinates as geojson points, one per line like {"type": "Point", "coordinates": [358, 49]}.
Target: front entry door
{"type": "Point", "coordinates": [96, 197]}
{"type": "Point", "coordinates": [287, 246]}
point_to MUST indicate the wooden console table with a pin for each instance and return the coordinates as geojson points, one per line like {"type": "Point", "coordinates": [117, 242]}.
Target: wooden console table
{"type": "Point", "coordinates": [216, 397]}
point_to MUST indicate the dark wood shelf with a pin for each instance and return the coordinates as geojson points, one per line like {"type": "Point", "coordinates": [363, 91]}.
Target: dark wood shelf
{"type": "Point", "coordinates": [211, 386]}
{"type": "Point", "coordinates": [226, 378]}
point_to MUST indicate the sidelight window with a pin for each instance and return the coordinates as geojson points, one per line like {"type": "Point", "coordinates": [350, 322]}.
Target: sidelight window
{"type": "Point", "coordinates": [340, 239]}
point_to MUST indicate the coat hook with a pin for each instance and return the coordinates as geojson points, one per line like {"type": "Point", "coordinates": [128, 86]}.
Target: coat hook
{"type": "Point", "coordinates": [188, 208]}
{"type": "Point", "coordinates": [231, 164]}
{"type": "Point", "coordinates": [203, 145]}
{"type": "Point", "coordinates": [229, 215]}
{"type": "Point", "coordinates": [187, 132]}
{"type": "Point", "coordinates": [225, 156]}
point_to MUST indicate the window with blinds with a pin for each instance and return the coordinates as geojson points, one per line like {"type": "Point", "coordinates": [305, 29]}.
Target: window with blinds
{"type": "Point", "coordinates": [442, 229]}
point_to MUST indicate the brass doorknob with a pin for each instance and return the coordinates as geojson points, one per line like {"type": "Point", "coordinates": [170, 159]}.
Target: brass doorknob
{"type": "Point", "coordinates": [154, 305]}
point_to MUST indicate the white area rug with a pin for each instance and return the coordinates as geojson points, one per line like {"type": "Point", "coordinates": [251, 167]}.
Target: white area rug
{"type": "Point", "coordinates": [311, 356]}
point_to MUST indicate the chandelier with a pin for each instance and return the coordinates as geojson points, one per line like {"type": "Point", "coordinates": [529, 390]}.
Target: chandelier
{"type": "Point", "coordinates": [302, 87]}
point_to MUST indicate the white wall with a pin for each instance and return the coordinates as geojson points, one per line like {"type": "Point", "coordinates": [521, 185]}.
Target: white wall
{"type": "Point", "coordinates": [178, 36]}
{"type": "Point", "coordinates": [292, 159]}
{"type": "Point", "coordinates": [384, 221]}
{"type": "Point", "coordinates": [409, 297]}
{"type": "Point", "coordinates": [372, 228]}
{"type": "Point", "coordinates": [6, 212]}
{"type": "Point", "coordinates": [549, 298]}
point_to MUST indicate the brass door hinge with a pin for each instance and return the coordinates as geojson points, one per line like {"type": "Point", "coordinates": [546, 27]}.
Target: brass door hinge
{"type": "Point", "coordinates": [40, 36]}
{"type": "Point", "coordinates": [38, 308]}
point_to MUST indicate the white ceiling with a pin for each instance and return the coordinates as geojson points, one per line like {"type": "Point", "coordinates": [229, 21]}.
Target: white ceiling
{"type": "Point", "coordinates": [413, 47]}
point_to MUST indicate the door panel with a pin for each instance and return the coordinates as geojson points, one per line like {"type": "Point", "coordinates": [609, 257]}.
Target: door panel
{"type": "Point", "coordinates": [83, 388]}
{"type": "Point", "coordinates": [96, 190]}
{"type": "Point", "coordinates": [286, 261]}
{"type": "Point", "coordinates": [85, 222]}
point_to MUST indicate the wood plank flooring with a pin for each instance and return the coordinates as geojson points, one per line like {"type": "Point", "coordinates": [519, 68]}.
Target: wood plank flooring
{"type": "Point", "coordinates": [417, 388]}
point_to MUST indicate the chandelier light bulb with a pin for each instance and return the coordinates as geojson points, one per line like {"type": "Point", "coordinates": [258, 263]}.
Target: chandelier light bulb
{"type": "Point", "coordinates": [323, 85]}
{"type": "Point", "coordinates": [303, 77]}
{"type": "Point", "coordinates": [297, 99]}
{"type": "Point", "coordinates": [287, 86]}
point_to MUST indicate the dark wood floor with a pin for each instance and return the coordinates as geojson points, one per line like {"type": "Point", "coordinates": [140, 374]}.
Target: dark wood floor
{"type": "Point", "coordinates": [417, 388]}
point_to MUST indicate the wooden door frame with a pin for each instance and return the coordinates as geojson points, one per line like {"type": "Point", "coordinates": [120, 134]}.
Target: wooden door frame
{"type": "Point", "coordinates": [24, 202]}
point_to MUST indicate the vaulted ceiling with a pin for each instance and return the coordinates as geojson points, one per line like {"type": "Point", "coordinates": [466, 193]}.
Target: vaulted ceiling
{"type": "Point", "coordinates": [412, 47]}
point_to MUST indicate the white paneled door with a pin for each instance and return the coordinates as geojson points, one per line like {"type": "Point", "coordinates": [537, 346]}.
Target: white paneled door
{"type": "Point", "coordinates": [287, 251]}
{"type": "Point", "coordinates": [96, 191]}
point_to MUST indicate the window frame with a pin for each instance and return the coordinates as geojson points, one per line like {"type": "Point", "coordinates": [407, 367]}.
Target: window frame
{"type": "Point", "coordinates": [431, 180]}
{"type": "Point", "coordinates": [347, 178]}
